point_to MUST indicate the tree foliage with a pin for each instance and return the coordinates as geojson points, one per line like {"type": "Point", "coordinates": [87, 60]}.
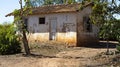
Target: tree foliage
{"type": "Point", "coordinates": [36, 3]}
{"type": "Point", "coordinates": [106, 21]}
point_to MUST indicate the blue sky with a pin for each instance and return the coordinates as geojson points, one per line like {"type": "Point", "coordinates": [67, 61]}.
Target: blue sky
{"type": "Point", "coordinates": [7, 6]}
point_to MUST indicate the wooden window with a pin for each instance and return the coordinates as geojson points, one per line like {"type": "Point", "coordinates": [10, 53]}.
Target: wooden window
{"type": "Point", "coordinates": [42, 20]}
{"type": "Point", "coordinates": [87, 24]}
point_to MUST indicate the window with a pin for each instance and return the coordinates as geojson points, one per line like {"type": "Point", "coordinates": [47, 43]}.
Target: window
{"type": "Point", "coordinates": [42, 20]}
{"type": "Point", "coordinates": [87, 24]}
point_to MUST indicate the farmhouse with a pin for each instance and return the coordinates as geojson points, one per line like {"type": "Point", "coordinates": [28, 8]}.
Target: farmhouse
{"type": "Point", "coordinates": [65, 23]}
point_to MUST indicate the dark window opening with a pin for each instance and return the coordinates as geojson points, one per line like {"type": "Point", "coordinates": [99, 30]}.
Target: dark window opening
{"type": "Point", "coordinates": [42, 20]}
{"type": "Point", "coordinates": [87, 24]}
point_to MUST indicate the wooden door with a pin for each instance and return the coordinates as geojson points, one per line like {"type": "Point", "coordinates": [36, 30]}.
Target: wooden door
{"type": "Point", "coordinates": [53, 29]}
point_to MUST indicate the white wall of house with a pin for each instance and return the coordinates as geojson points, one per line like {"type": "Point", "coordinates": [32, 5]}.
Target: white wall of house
{"type": "Point", "coordinates": [40, 32]}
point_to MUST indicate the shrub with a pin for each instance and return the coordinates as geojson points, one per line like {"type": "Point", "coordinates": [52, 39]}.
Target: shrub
{"type": "Point", "coordinates": [8, 40]}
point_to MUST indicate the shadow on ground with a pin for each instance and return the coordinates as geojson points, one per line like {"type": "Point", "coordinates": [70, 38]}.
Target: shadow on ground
{"type": "Point", "coordinates": [104, 44]}
{"type": "Point", "coordinates": [38, 56]}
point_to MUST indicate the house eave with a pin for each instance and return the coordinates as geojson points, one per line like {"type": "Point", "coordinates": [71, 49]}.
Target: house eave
{"type": "Point", "coordinates": [47, 9]}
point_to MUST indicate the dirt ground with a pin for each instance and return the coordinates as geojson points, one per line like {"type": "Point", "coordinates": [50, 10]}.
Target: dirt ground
{"type": "Point", "coordinates": [57, 55]}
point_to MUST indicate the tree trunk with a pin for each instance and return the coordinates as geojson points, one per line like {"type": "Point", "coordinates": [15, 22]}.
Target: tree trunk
{"type": "Point", "coordinates": [107, 52]}
{"type": "Point", "coordinates": [25, 42]}
{"type": "Point", "coordinates": [24, 39]}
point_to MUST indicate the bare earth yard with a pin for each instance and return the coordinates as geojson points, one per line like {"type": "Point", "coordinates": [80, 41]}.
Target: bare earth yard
{"type": "Point", "coordinates": [52, 55]}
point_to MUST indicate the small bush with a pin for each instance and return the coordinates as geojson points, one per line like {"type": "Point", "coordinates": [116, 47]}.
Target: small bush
{"type": "Point", "coordinates": [8, 40]}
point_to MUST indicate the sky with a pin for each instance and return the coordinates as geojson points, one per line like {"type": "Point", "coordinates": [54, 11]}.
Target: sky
{"type": "Point", "coordinates": [8, 6]}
